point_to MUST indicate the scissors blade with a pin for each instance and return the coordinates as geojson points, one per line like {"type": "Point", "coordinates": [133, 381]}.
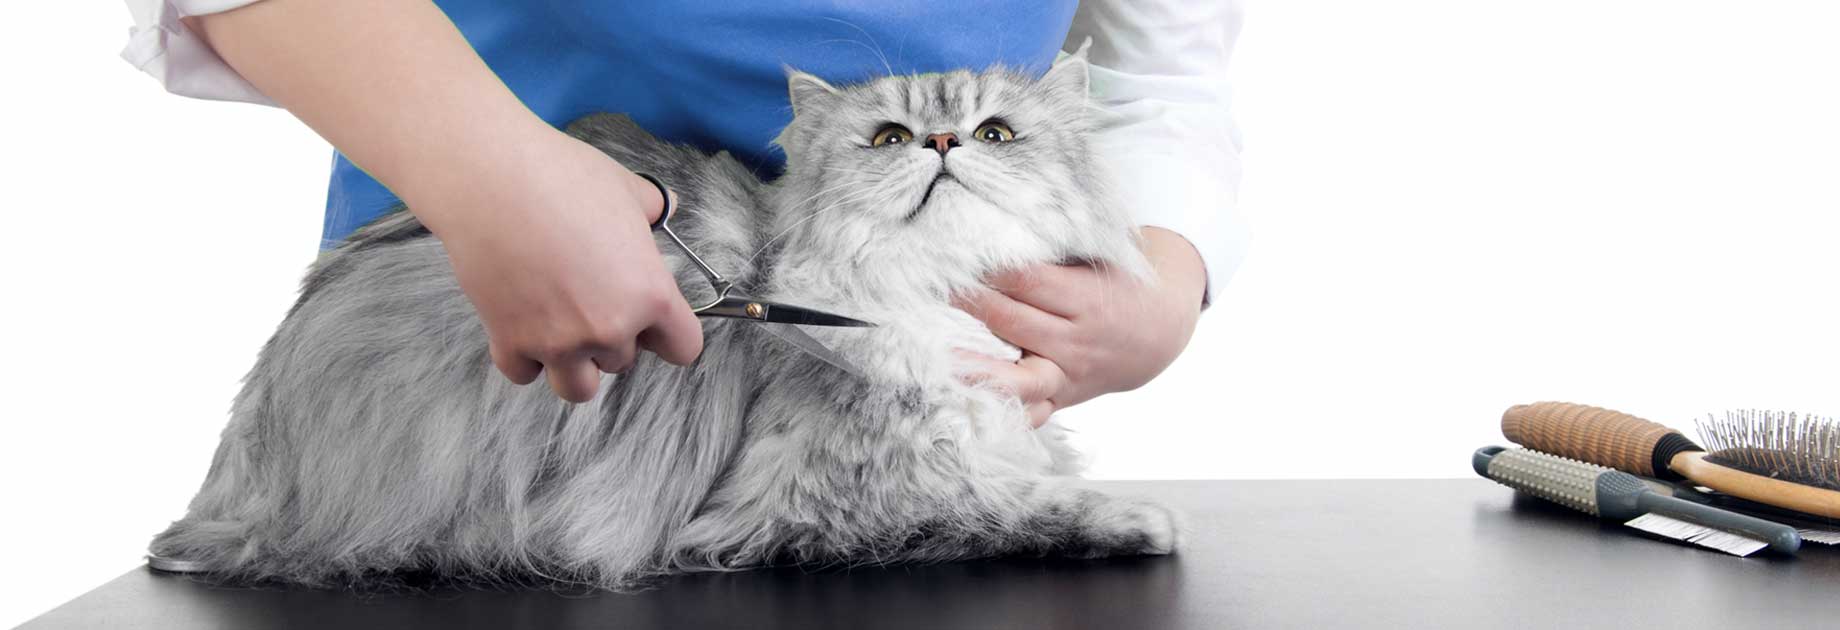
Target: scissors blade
{"type": "Point", "coordinates": [804, 341]}
{"type": "Point", "coordinates": [739, 305]}
{"type": "Point", "coordinates": [789, 314]}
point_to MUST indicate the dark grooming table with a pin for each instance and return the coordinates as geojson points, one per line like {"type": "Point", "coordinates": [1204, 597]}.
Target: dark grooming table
{"type": "Point", "coordinates": [1259, 554]}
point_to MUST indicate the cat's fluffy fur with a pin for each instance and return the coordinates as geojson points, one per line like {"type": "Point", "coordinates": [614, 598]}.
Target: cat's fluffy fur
{"type": "Point", "coordinates": [374, 437]}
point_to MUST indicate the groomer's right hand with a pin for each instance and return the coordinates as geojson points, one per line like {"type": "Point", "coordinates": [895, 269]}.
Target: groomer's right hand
{"type": "Point", "coordinates": [549, 237]}
{"type": "Point", "coordinates": [551, 241]}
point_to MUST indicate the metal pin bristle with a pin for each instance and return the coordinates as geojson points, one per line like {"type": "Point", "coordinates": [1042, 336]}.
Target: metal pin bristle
{"type": "Point", "coordinates": [1803, 449]}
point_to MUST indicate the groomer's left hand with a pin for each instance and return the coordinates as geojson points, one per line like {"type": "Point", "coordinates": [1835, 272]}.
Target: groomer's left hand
{"type": "Point", "coordinates": [1086, 332]}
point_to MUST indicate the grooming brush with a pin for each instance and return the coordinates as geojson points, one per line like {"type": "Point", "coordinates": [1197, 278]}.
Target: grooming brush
{"type": "Point", "coordinates": [1776, 459]}
{"type": "Point", "coordinates": [1612, 494]}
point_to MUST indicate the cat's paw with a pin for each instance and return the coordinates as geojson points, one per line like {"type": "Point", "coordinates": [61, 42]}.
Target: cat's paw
{"type": "Point", "coordinates": [1134, 528]}
{"type": "Point", "coordinates": [1157, 527]}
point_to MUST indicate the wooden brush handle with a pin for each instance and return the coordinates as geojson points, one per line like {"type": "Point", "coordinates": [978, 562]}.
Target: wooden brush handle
{"type": "Point", "coordinates": [1592, 434]}
{"type": "Point", "coordinates": [1758, 488]}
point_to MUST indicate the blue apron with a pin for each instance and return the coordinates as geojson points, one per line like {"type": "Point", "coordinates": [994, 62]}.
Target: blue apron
{"type": "Point", "coordinates": [710, 73]}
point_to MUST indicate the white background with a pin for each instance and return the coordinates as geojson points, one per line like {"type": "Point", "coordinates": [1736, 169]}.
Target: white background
{"type": "Point", "coordinates": [1457, 206]}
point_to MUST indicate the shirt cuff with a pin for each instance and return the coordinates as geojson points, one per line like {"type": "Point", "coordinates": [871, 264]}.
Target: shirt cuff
{"type": "Point", "coordinates": [161, 46]}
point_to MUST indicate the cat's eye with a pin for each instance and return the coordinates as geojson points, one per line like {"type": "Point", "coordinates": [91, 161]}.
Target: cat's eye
{"type": "Point", "coordinates": [891, 134]}
{"type": "Point", "coordinates": [995, 131]}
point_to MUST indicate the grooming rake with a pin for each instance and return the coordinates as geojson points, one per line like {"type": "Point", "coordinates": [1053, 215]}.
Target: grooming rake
{"type": "Point", "coordinates": [1612, 494]}
{"type": "Point", "coordinates": [1772, 458]}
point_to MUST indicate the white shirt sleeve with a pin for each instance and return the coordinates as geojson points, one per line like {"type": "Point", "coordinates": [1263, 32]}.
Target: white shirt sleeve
{"type": "Point", "coordinates": [161, 46]}
{"type": "Point", "coordinates": [1159, 74]}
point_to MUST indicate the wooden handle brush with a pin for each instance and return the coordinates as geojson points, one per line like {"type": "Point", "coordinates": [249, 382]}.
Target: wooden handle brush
{"type": "Point", "coordinates": [1765, 457]}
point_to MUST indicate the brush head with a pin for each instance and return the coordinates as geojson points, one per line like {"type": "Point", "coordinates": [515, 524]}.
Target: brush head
{"type": "Point", "coordinates": [1799, 449]}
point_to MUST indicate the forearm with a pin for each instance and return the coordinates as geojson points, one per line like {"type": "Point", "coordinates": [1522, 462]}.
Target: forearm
{"type": "Point", "coordinates": [1178, 265]}
{"type": "Point", "coordinates": [391, 83]}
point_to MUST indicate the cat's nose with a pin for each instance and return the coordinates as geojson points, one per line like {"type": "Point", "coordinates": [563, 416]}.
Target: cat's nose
{"type": "Point", "coordinates": [942, 142]}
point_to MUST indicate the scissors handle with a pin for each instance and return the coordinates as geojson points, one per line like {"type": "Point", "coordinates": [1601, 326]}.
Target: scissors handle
{"type": "Point", "coordinates": [663, 225]}
{"type": "Point", "coordinates": [663, 193]}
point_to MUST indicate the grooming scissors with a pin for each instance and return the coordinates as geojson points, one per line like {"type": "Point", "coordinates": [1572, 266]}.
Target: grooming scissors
{"type": "Point", "coordinates": [731, 303]}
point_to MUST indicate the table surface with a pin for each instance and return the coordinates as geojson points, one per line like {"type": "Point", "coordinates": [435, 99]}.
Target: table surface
{"type": "Point", "coordinates": [1258, 554]}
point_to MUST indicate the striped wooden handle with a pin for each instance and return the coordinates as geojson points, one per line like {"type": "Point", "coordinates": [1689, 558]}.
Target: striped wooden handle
{"type": "Point", "coordinates": [1587, 434]}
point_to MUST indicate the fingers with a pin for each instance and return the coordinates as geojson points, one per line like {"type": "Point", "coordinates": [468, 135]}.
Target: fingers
{"type": "Point", "coordinates": [983, 368]}
{"type": "Point", "coordinates": [615, 361]}
{"type": "Point", "coordinates": [575, 373]}
{"type": "Point", "coordinates": [1018, 323]}
{"type": "Point", "coordinates": [1039, 412]}
{"type": "Point", "coordinates": [1032, 379]}
{"type": "Point", "coordinates": [575, 380]}
{"type": "Point", "coordinates": [1060, 290]}
{"type": "Point", "coordinates": [1041, 379]}
{"type": "Point", "coordinates": [676, 337]}
{"type": "Point", "coordinates": [514, 366]}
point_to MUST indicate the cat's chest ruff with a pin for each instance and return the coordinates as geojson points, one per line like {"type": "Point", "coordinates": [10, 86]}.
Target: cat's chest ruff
{"type": "Point", "coordinates": [922, 346]}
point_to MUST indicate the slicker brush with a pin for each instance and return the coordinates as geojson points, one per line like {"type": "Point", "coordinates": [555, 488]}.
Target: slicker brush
{"type": "Point", "coordinates": [1778, 459]}
{"type": "Point", "coordinates": [1804, 449]}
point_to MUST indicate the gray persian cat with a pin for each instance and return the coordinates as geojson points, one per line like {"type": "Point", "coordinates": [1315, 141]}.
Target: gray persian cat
{"type": "Point", "coordinates": [374, 438]}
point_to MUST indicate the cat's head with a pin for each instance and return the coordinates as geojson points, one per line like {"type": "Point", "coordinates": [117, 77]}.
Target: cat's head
{"type": "Point", "coordinates": [958, 173]}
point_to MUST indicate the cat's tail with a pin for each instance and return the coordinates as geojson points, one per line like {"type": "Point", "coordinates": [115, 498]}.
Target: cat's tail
{"type": "Point", "coordinates": [213, 537]}
{"type": "Point", "coordinates": [237, 531]}
{"type": "Point", "coordinates": [200, 546]}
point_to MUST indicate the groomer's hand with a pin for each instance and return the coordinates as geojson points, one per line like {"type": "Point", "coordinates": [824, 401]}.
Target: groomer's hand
{"type": "Point", "coordinates": [554, 247]}
{"type": "Point", "coordinates": [1086, 332]}
{"type": "Point", "coordinates": [547, 235]}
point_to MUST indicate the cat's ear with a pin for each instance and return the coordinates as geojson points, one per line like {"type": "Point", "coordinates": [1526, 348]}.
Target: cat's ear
{"type": "Point", "coordinates": [1069, 73]}
{"type": "Point", "coordinates": [804, 90]}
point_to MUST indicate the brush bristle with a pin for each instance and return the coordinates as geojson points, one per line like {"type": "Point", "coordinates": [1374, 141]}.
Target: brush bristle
{"type": "Point", "coordinates": [1801, 449]}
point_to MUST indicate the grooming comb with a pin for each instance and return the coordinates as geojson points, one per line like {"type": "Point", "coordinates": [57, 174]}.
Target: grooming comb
{"type": "Point", "coordinates": [1776, 459]}
{"type": "Point", "coordinates": [1813, 529]}
{"type": "Point", "coordinates": [1617, 495]}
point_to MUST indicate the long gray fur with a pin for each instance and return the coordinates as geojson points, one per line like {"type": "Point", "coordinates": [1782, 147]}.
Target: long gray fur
{"type": "Point", "coordinates": [373, 436]}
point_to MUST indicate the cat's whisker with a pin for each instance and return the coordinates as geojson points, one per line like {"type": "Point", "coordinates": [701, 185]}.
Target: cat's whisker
{"type": "Point", "coordinates": [877, 48]}
{"type": "Point", "coordinates": [829, 189]}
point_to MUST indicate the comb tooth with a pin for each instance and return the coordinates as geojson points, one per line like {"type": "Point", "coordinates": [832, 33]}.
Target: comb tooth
{"type": "Point", "coordinates": [1697, 534]}
{"type": "Point", "coordinates": [1823, 536]}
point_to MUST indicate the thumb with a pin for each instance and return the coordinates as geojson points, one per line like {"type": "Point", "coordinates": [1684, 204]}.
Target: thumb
{"type": "Point", "coordinates": [677, 337]}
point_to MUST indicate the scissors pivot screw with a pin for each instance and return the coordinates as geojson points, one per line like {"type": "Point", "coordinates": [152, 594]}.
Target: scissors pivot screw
{"type": "Point", "coordinates": [755, 310]}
